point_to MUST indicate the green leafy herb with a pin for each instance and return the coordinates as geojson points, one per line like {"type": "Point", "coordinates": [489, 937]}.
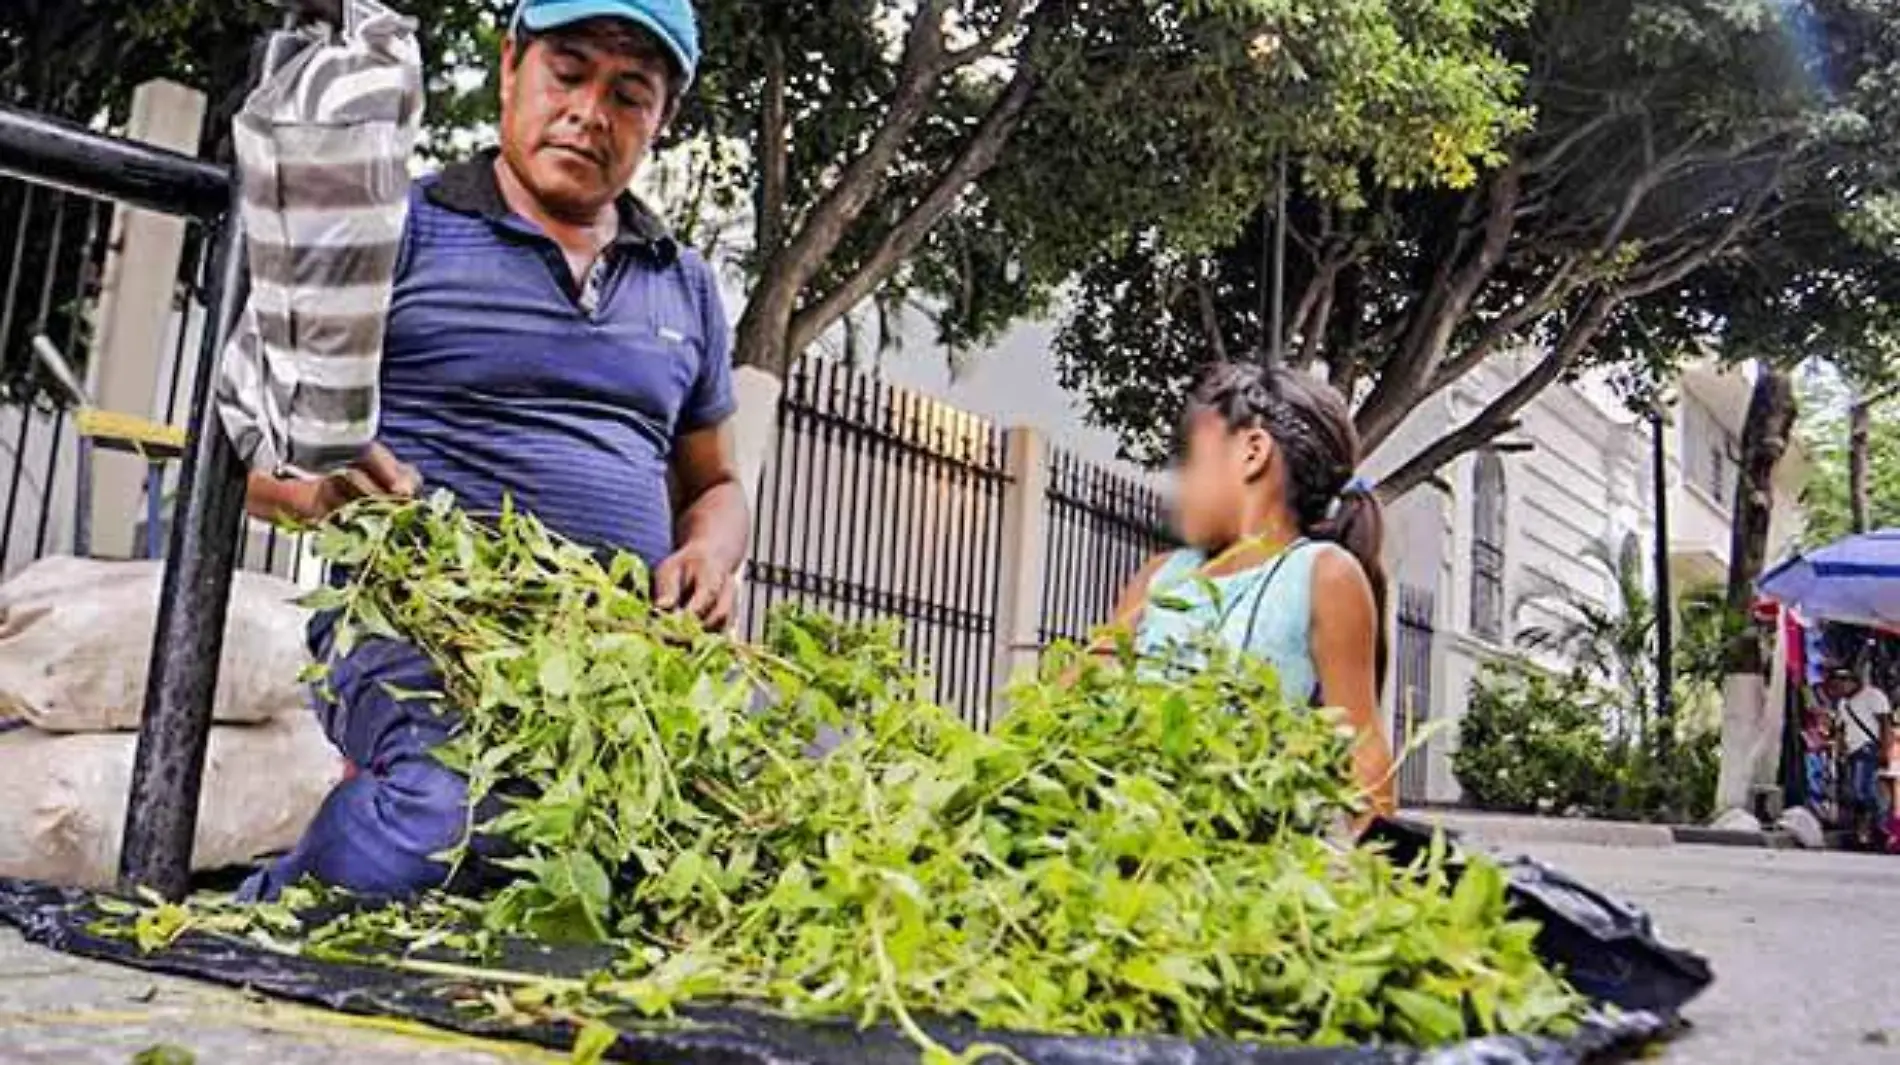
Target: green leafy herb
{"type": "Point", "coordinates": [1133, 850]}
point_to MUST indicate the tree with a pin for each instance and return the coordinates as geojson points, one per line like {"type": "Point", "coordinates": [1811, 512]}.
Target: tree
{"type": "Point", "coordinates": [81, 60]}
{"type": "Point", "coordinates": [974, 155]}
{"type": "Point", "coordinates": [1670, 135]}
{"type": "Point", "coordinates": [1827, 500]}
{"type": "Point", "coordinates": [970, 154]}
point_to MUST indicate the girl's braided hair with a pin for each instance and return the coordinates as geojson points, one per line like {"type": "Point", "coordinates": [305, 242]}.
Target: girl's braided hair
{"type": "Point", "coordinates": [1313, 429]}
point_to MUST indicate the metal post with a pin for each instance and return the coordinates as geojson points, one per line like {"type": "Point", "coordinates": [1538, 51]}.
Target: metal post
{"type": "Point", "coordinates": [1665, 607]}
{"type": "Point", "coordinates": [162, 810]}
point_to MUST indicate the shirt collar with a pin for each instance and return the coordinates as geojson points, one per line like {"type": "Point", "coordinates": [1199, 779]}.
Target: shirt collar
{"type": "Point", "coordinates": [469, 187]}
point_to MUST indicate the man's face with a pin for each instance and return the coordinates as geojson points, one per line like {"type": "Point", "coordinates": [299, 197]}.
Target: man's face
{"type": "Point", "coordinates": [579, 109]}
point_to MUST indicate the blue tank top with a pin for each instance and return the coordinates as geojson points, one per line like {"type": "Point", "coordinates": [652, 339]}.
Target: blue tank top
{"type": "Point", "coordinates": [1266, 611]}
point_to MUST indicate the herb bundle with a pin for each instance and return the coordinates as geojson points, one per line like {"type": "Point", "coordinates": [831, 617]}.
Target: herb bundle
{"type": "Point", "coordinates": [797, 826]}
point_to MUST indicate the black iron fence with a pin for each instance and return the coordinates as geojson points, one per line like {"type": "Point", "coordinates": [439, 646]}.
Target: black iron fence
{"type": "Point", "coordinates": [880, 503]}
{"type": "Point", "coordinates": [62, 158]}
{"type": "Point", "coordinates": [1412, 710]}
{"type": "Point", "coordinates": [1101, 527]}
{"type": "Point", "coordinates": [55, 247]}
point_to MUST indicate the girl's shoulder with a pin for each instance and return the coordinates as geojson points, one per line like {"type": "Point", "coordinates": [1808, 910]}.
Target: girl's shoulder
{"type": "Point", "coordinates": [1330, 571]}
{"type": "Point", "coordinates": [1177, 566]}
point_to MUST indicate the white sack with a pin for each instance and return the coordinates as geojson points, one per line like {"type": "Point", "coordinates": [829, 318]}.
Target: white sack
{"type": "Point", "coordinates": [62, 798]}
{"type": "Point", "coordinates": [76, 640]}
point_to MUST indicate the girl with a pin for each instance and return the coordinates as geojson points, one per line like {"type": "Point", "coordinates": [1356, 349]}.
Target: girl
{"type": "Point", "coordinates": [1275, 522]}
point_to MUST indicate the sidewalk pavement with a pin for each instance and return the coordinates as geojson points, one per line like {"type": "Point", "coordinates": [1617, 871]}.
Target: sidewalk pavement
{"type": "Point", "coordinates": [1514, 832]}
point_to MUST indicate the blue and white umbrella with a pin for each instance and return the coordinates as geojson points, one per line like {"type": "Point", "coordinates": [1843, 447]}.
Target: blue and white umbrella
{"type": "Point", "coordinates": [1856, 580]}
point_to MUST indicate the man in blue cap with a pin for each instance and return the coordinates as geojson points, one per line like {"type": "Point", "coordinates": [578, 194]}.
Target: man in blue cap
{"type": "Point", "coordinates": [547, 343]}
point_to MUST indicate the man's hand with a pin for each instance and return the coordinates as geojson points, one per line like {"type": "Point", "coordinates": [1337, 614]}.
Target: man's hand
{"type": "Point", "coordinates": [700, 578]}
{"type": "Point", "coordinates": [695, 581]}
{"type": "Point", "coordinates": [308, 501]}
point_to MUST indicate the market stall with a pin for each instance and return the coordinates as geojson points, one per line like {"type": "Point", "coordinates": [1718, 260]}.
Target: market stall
{"type": "Point", "coordinates": [1840, 620]}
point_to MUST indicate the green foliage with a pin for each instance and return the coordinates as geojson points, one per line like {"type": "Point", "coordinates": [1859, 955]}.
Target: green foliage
{"type": "Point", "coordinates": [1129, 852]}
{"type": "Point", "coordinates": [1535, 742]}
{"type": "Point", "coordinates": [164, 1054]}
{"type": "Point", "coordinates": [1824, 499]}
{"type": "Point", "coordinates": [1697, 172]}
{"type": "Point", "coordinates": [1613, 645]}
{"type": "Point", "coordinates": [81, 60]}
{"type": "Point", "coordinates": [1144, 114]}
{"type": "Point", "coordinates": [1584, 741]}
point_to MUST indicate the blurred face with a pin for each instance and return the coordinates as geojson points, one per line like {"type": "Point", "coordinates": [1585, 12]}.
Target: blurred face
{"type": "Point", "coordinates": [1220, 468]}
{"type": "Point", "coordinates": [1842, 687]}
{"type": "Point", "coordinates": [580, 107]}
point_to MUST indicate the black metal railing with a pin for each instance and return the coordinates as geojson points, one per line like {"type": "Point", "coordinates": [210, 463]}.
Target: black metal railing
{"type": "Point", "coordinates": [162, 808]}
{"type": "Point", "coordinates": [54, 249]}
{"type": "Point", "coordinates": [1102, 526]}
{"type": "Point", "coordinates": [1412, 711]}
{"type": "Point", "coordinates": [880, 503]}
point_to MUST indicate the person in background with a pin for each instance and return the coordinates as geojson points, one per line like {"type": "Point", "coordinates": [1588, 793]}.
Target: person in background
{"type": "Point", "coordinates": [1289, 540]}
{"type": "Point", "coordinates": [1861, 710]}
{"type": "Point", "coordinates": [548, 343]}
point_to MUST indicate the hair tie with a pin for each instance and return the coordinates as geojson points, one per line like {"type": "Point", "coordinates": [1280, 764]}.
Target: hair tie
{"type": "Point", "coordinates": [1358, 486]}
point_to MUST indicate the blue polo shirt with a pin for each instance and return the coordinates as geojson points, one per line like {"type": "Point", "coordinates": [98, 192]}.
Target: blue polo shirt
{"type": "Point", "coordinates": [502, 377]}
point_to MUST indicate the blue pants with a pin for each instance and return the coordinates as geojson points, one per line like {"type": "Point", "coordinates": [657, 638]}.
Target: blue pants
{"type": "Point", "coordinates": [1863, 777]}
{"type": "Point", "coordinates": [378, 832]}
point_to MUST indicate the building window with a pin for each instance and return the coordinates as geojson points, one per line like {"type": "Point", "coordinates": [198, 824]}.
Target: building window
{"type": "Point", "coordinates": [1487, 548]}
{"type": "Point", "coordinates": [1709, 454]}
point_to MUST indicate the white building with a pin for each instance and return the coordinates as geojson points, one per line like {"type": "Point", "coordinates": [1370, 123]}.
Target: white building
{"type": "Point", "coordinates": [1506, 522]}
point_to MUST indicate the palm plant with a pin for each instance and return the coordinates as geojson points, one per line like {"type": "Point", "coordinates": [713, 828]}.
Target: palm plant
{"type": "Point", "coordinates": [1613, 643]}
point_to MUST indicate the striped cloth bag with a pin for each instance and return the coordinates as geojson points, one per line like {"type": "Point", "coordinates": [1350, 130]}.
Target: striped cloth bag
{"type": "Point", "coordinates": [323, 150]}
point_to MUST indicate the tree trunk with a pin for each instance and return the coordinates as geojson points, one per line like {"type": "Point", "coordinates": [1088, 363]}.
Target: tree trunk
{"type": "Point", "coordinates": [1860, 426]}
{"type": "Point", "coordinates": [1765, 437]}
{"type": "Point", "coordinates": [1750, 727]}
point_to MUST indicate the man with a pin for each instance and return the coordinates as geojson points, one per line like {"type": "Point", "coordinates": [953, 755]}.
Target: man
{"type": "Point", "coordinates": [549, 343]}
{"type": "Point", "coordinates": [1863, 711]}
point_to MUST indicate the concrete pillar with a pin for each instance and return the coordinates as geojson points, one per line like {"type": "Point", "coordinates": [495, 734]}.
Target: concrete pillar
{"type": "Point", "coordinates": [135, 311]}
{"type": "Point", "coordinates": [1025, 555]}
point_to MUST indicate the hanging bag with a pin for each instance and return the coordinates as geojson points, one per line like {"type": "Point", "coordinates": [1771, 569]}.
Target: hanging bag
{"type": "Point", "coordinates": [323, 152]}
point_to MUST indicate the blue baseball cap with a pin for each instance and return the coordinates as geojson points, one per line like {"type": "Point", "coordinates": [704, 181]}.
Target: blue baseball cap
{"type": "Point", "coordinates": [672, 21]}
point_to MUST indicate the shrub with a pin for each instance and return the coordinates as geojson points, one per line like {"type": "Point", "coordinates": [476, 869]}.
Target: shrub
{"type": "Point", "coordinates": [1534, 742]}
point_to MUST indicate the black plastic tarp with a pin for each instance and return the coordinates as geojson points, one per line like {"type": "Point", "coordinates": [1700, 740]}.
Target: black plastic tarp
{"type": "Point", "coordinates": [1607, 949]}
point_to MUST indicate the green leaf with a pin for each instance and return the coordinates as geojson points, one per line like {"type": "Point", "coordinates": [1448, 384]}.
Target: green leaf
{"type": "Point", "coordinates": [556, 675]}
{"type": "Point", "coordinates": [1430, 1021]}
{"type": "Point", "coordinates": [592, 1043]}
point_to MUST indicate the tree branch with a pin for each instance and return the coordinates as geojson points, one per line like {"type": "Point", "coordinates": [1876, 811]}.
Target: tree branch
{"type": "Point", "coordinates": [774, 151]}
{"type": "Point", "coordinates": [1314, 334]}
{"type": "Point", "coordinates": [1006, 24]}
{"type": "Point", "coordinates": [978, 154]}
{"type": "Point", "coordinates": [1498, 417]}
{"type": "Point", "coordinates": [1556, 288]}
{"type": "Point", "coordinates": [1675, 269]}
{"type": "Point", "coordinates": [1397, 391]}
{"type": "Point", "coordinates": [1569, 143]}
{"type": "Point", "coordinates": [864, 175]}
{"type": "Point", "coordinates": [1210, 320]}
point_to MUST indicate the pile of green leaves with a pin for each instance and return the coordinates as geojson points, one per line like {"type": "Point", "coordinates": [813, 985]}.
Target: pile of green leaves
{"type": "Point", "coordinates": [1128, 852]}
